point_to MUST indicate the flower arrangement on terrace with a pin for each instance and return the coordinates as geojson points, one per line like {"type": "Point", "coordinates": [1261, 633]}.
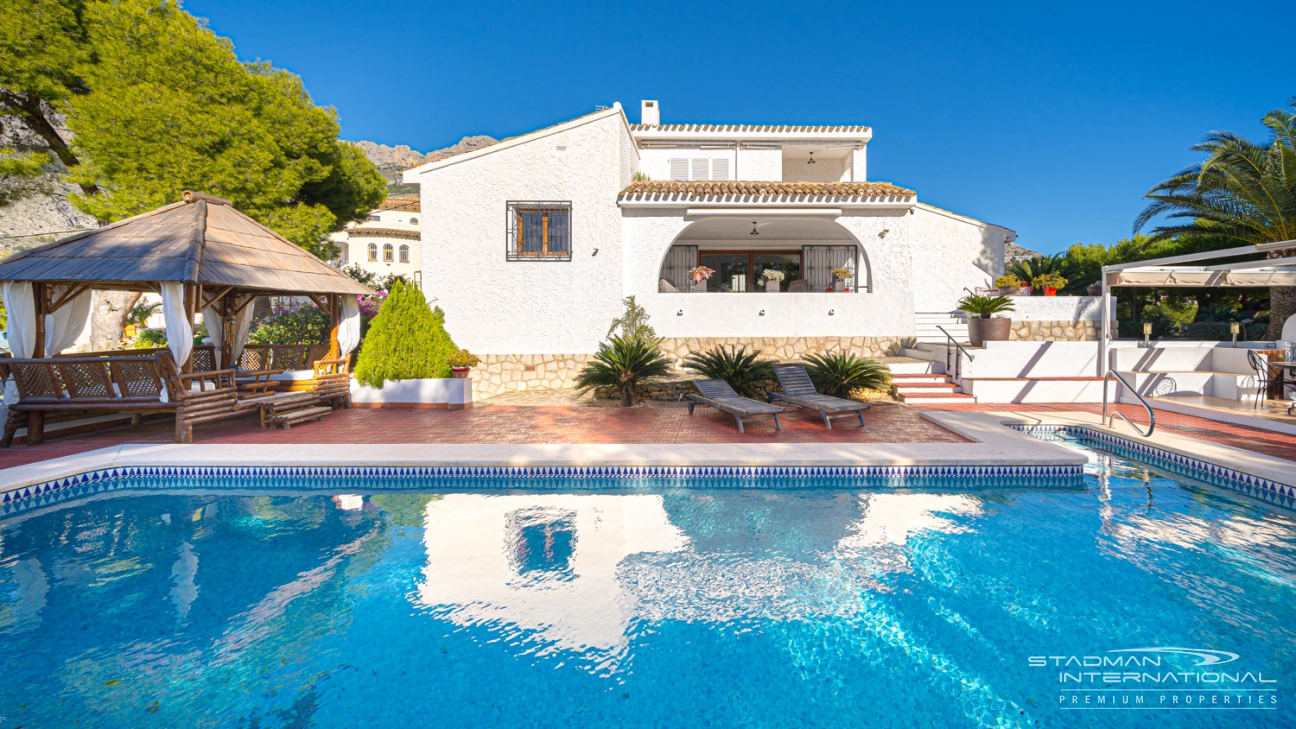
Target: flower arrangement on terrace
{"type": "Point", "coordinates": [700, 274]}
{"type": "Point", "coordinates": [772, 274]}
{"type": "Point", "coordinates": [463, 359]}
{"type": "Point", "coordinates": [841, 274]}
{"type": "Point", "coordinates": [1008, 281]}
{"type": "Point", "coordinates": [1049, 281]}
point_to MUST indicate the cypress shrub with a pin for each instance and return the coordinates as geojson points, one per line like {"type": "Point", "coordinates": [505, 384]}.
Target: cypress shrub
{"type": "Point", "coordinates": [406, 341]}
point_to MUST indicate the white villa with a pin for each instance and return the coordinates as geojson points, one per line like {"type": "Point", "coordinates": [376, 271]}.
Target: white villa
{"type": "Point", "coordinates": [388, 242]}
{"type": "Point", "coordinates": [531, 244]}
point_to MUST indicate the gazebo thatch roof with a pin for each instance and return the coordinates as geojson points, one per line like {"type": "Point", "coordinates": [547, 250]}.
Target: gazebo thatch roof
{"type": "Point", "coordinates": [200, 240]}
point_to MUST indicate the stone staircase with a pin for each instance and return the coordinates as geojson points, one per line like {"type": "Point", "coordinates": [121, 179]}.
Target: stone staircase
{"type": "Point", "coordinates": [919, 382]}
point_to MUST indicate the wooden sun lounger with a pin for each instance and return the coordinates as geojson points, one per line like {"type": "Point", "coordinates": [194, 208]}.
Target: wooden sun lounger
{"type": "Point", "coordinates": [719, 395]}
{"type": "Point", "coordinates": [800, 391]}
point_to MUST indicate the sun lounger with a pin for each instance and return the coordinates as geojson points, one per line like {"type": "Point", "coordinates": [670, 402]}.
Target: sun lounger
{"type": "Point", "coordinates": [719, 395]}
{"type": "Point", "coordinates": [800, 391]}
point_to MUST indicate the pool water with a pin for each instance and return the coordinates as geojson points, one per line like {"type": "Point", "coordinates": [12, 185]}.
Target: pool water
{"type": "Point", "coordinates": [662, 607]}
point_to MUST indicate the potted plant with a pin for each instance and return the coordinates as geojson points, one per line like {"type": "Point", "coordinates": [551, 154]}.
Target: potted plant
{"type": "Point", "coordinates": [461, 362]}
{"type": "Point", "coordinates": [773, 277]}
{"type": "Point", "coordinates": [699, 274]}
{"type": "Point", "coordinates": [1094, 289]}
{"type": "Point", "coordinates": [1008, 285]}
{"type": "Point", "coordinates": [982, 327]}
{"type": "Point", "coordinates": [1050, 282]}
{"type": "Point", "coordinates": [839, 278]}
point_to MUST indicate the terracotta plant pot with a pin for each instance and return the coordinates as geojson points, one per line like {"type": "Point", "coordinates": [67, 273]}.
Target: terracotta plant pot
{"type": "Point", "coordinates": [981, 330]}
{"type": "Point", "coordinates": [1094, 290]}
{"type": "Point", "coordinates": [1009, 290]}
{"type": "Point", "coordinates": [460, 373]}
{"type": "Point", "coordinates": [1050, 291]}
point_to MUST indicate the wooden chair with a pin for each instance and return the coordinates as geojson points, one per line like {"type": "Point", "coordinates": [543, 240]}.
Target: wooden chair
{"type": "Point", "coordinates": [721, 396]}
{"type": "Point", "coordinates": [800, 391]}
{"type": "Point", "coordinates": [664, 286]}
{"type": "Point", "coordinates": [799, 286]}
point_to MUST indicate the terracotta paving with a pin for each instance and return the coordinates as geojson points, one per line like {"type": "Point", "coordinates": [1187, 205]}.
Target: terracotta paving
{"type": "Point", "coordinates": [886, 423]}
{"type": "Point", "coordinates": [515, 424]}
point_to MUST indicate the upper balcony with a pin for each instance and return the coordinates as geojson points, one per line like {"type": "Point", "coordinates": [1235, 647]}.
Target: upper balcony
{"type": "Point", "coordinates": [749, 152]}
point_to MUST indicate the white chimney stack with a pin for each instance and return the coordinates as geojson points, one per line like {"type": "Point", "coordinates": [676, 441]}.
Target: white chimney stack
{"type": "Point", "coordinates": [649, 113]}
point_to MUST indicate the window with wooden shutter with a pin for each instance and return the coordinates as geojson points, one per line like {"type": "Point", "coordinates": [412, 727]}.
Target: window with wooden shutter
{"type": "Point", "coordinates": [539, 231]}
{"type": "Point", "coordinates": [679, 169]}
{"type": "Point", "coordinates": [719, 168]}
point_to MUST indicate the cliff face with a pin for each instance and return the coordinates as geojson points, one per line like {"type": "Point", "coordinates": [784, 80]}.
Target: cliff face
{"type": "Point", "coordinates": [392, 161]}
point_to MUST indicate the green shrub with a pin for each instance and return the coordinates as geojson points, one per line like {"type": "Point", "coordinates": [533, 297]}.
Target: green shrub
{"type": "Point", "coordinates": [743, 371]}
{"type": "Point", "coordinates": [304, 325]}
{"type": "Point", "coordinates": [406, 341]}
{"type": "Point", "coordinates": [623, 364]}
{"type": "Point", "coordinates": [150, 339]}
{"type": "Point", "coordinates": [985, 306]}
{"type": "Point", "coordinates": [838, 373]}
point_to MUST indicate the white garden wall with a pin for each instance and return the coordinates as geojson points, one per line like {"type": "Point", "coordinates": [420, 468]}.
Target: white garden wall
{"type": "Point", "coordinates": [1058, 308]}
{"type": "Point", "coordinates": [952, 253]}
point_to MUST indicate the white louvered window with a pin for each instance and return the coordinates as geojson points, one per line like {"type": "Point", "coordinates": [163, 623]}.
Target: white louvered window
{"type": "Point", "coordinates": [719, 168]}
{"type": "Point", "coordinates": [701, 169]}
{"type": "Point", "coordinates": [679, 169]}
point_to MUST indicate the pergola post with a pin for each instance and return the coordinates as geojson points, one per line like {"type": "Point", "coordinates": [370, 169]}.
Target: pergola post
{"type": "Point", "coordinates": [36, 418]}
{"type": "Point", "coordinates": [335, 317]}
{"type": "Point", "coordinates": [190, 304]}
{"type": "Point", "coordinates": [1105, 303]}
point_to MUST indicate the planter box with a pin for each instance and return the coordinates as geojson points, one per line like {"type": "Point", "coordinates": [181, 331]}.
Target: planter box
{"type": "Point", "coordinates": [427, 393]}
{"type": "Point", "coordinates": [981, 330]}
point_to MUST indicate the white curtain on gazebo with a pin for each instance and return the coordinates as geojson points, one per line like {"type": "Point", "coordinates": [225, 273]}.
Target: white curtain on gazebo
{"type": "Point", "coordinates": [179, 330]}
{"type": "Point", "coordinates": [216, 330]}
{"type": "Point", "coordinates": [20, 306]}
{"type": "Point", "coordinates": [63, 327]}
{"type": "Point", "coordinates": [349, 327]}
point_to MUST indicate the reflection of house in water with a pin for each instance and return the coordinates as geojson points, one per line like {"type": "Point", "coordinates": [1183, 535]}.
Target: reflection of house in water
{"type": "Point", "coordinates": [570, 572]}
{"type": "Point", "coordinates": [541, 567]}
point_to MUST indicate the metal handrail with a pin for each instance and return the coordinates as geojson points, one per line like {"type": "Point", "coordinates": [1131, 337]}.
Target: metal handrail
{"type": "Point", "coordinates": [1107, 421]}
{"type": "Point", "coordinates": [958, 362]}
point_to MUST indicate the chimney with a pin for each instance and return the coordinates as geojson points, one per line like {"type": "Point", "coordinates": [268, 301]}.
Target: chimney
{"type": "Point", "coordinates": [649, 113]}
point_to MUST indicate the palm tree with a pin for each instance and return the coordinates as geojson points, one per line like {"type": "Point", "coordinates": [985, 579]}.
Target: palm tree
{"type": "Point", "coordinates": [744, 371]}
{"type": "Point", "coordinates": [624, 363]}
{"type": "Point", "coordinates": [1029, 269]}
{"type": "Point", "coordinates": [1242, 193]}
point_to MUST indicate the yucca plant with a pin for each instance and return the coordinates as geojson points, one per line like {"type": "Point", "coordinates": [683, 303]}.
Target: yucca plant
{"type": "Point", "coordinates": [742, 370]}
{"type": "Point", "coordinates": [985, 306]}
{"type": "Point", "coordinates": [837, 373]}
{"type": "Point", "coordinates": [624, 364]}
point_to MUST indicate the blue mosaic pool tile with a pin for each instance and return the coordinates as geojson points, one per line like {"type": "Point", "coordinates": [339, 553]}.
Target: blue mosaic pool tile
{"type": "Point", "coordinates": [1211, 473]}
{"type": "Point", "coordinates": [341, 478]}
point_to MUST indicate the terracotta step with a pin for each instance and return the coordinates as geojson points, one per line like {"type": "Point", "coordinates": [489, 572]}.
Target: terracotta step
{"type": "Point", "coordinates": [934, 397]}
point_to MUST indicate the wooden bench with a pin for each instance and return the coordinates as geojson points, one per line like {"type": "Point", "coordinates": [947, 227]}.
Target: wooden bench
{"type": "Point", "coordinates": [116, 383]}
{"type": "Point", "coordinates": [330, 389]}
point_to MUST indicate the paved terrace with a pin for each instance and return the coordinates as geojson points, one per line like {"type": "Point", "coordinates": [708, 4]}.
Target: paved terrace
{"type": "Point", "coordinates": [508, 424]}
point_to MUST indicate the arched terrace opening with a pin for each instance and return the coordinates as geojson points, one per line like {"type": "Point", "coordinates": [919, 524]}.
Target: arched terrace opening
{"type": "Point", "coordinates": [807, 251]}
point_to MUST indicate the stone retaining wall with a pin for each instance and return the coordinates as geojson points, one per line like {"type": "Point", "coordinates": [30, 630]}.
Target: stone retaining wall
{"type": "Point", "coordinates": [501, 373]}
{"type": "Point", "coordinates": [1056, 331]}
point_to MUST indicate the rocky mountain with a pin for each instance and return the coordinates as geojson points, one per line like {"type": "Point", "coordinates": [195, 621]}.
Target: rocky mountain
{"type": "Point", "coordinates": [392, 161]}
{"type": "Point", "coordinates": [1014, 253]}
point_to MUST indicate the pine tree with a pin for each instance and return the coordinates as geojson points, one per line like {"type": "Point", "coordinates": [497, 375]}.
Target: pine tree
{"type": "Point", "coordinates": [406, 341]}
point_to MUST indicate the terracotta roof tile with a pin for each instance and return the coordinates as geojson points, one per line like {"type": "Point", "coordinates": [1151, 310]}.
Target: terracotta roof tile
{"type": "Point", "coordinates": [402, 202]}
{"type": "Point", "coordinates": [669, 189]}
{"type": "Point", "coordinates": [770, 128]}
{"type": "Point", "coordinates": [382, 233]}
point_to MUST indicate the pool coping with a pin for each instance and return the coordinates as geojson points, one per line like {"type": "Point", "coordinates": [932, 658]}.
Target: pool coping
{"type": "Point", "coordinates": [997, 447]}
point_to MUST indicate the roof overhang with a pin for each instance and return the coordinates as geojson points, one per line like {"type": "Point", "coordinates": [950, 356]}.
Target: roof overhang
{"type": "Point", "coordinates": [742, 133]}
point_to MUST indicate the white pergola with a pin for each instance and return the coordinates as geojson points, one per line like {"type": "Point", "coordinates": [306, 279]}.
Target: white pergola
{"type": "Point", "coordinates": [1189, 271]}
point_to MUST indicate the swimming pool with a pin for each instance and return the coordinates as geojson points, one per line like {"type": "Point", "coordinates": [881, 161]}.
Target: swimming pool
{"type": "Point", "coordinates": [192, 604]}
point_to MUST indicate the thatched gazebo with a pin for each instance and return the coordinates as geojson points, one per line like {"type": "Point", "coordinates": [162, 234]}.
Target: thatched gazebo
{"type": "Point", "coordinates": [200, 255]}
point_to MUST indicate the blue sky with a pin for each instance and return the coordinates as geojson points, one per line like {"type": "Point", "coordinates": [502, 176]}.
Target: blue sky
{"type": "Point", "coordinates": [1049, 118]}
